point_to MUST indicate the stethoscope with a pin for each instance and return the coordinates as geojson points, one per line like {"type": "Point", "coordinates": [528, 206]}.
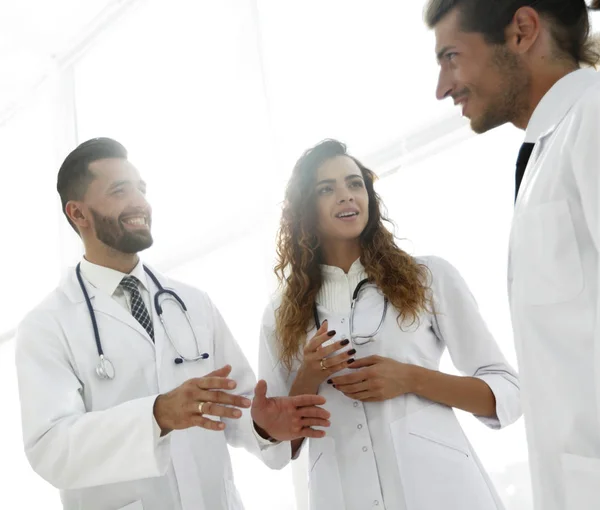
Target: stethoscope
{"type": "Point", "coordinates": [105, 368]}
{"type": "Point", "coordinates": [357, 339]}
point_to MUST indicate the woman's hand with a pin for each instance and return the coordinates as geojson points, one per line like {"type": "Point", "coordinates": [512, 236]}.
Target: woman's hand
{"type": "Point", "coordinates": [320, 363]}
{"type": "Point", "coordinates": [376, 379]}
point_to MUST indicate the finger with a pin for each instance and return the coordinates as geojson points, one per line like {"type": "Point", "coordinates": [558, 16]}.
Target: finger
{"type": "Point", "coordinates": [260, 391]}
{"type": "Point", "coordinates": [363, 396]}
{"type": "Point", "coordinates": [220, 372]}
{"type": "Point", "coordinates": [220, 397]}
{"type": "Point", "coordinates": [328, 350]}
{"type": "Point", "coordinates": [206, 423]}
{"type": "Point", "coordinates": [354, 377]}
{"type": "Point", "coordinates": [315, 422]}
{"type": "Point", "coordinates": [313, 412]}
{"type": "Point", "coordinates": [367, 362]}
{"type": "Point", "coordinates": [316, 341]}
{"type": "Point", "coordinates": [212, 409]}
{"type": "Point", "coordinates": [312, 433]}
{"type": "Point", "coordinates": [343, 357]}
{"type": "Point", "coordinates": [307, 400]}
{"type": "Point", "coordinates": [215, 383]}
{"type": "Point", "coordinates": [350, 389]}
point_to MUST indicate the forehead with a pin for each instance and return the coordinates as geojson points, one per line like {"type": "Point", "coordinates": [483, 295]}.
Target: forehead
{"type": "Point", "coordinates": [449, 35]}
{"type": "Point", "coordinates": [337, 168]}
{"type": "Point", "coordinates": [109, 170]}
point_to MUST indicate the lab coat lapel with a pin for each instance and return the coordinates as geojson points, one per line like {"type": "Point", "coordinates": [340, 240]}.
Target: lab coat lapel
{"type": "Point", "coordinates": [102, 303]}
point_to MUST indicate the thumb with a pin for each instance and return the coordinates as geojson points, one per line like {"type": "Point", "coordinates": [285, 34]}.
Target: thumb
{"type": "Point", "coordinates": [220, 372]}
{"type": "Point", "coordinates": [260, 392]}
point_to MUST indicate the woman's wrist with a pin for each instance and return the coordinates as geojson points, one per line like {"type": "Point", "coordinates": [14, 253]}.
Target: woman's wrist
{"type": "Point", "coordinates": [303, 387]}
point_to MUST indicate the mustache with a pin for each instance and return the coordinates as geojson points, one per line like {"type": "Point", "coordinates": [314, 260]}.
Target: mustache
{"type": "Point", "coordinates": [460, 94]}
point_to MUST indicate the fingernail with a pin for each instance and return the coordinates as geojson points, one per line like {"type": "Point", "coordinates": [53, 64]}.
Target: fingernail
{"type": "Point", "coordinates": [246, 402]}
{"type": "Point", "coordinates": [329, 381]}
{"type": "Point", "coordinates": [353, 351]}
{"type": "Point", "coordinates": [231, 384]}
{"type": "Point", "coordinates": [237, 414]}
{"type": "Point", "coordinates": [351, 360]}
{"type": "Point", "coordinates": [345, 342]}
{"type": "Point", "coordinates": [331, 333]}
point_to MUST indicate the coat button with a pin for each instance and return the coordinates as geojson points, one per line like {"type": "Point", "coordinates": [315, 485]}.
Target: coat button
{"type": "Point", "coordinates": [365, 449]}
{"type": "Point", "coordinates": [359, 427]}
{"type": "Point", "coordinates": [355, 404]}
{"type": "Point", "coordinates": [375, 503]}
{"type": "Point", "coordinates": [343, 320]}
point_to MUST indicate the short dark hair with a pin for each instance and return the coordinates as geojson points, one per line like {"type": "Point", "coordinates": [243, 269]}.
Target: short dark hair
{"type": "Point", "coordinates": [74, 175]}
{"type": "Point", "coordinates": [570, 21]}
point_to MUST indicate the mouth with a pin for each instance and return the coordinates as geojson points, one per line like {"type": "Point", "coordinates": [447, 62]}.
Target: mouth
{"type": "Point", "coordinates": [136, 222]}
{"type": "Point", "coordinates": [347, 215]}
{"type": "Point", "coordinates": [462, 101]}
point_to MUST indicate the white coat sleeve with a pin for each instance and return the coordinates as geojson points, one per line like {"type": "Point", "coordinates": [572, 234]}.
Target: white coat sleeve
{"type": "Point", "coordinates": [66, 445]}
{"type": "Point", "coordinates": [241, 432]}
{"type": "Point", "coordinates": [474, 352]}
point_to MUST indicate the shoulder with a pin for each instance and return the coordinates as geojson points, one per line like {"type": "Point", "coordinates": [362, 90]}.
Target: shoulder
{"type": "Point", "coordinates": [444, 277]}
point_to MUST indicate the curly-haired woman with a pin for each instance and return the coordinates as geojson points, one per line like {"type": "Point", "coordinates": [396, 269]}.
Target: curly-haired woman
{"type": "Point", "coordinates": [365, 324]}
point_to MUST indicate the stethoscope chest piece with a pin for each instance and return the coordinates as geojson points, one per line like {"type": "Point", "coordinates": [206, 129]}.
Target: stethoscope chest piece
{"type": "Point", "coordinates": [105, 369]}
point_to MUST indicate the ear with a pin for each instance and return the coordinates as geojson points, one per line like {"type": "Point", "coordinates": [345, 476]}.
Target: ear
{"type": "Point", "coordinates": [77, 213]}
{"type": "Point", "coordinates": [524, 30]}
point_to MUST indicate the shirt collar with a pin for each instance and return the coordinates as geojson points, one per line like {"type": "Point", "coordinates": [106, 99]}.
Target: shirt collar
{"type": "Point", "coordinates": [558, 101]}
{"type": "Point", "coordinates": [107, 279]}
{"type": "Point", "coordinates": [334, 272]}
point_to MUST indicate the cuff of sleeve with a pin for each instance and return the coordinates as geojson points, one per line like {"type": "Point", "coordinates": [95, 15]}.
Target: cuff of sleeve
{"type": "Point", "coordinates": [162, 445]}
{"type": "Point", "coordinates": [262, 442]}
{"type": "Point", "coordinates": [508, 405]}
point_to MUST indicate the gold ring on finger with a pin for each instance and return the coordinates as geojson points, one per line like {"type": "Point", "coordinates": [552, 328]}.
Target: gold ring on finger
{"type": "Point", "coordinates": [323, 367]}
{"type": "Point", "coordinates": [201, 407]}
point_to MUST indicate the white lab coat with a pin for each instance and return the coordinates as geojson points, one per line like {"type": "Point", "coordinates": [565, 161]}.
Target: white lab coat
{"type": "Point", "coordinates": [97, 440]}
{"type": "Point", "coordinates": [405, 453]}
{"type": "Point", "coordinates": [553, 285]}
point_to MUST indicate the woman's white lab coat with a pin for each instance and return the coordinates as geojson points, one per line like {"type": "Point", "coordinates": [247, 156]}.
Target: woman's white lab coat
{"type": "Point", "coordinates": [406, 453]}
{"type": "Point", "coordinates": [553, 286]}
{"type": "Point", "coordinates": [97, 440]}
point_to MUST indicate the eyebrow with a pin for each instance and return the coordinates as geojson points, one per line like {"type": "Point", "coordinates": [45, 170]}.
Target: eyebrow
{"type": "Point", "coordinates": [443, 51]}
{"type": "Point", "coordinates": [117, 184]}
{"type": "Point", "coordinates": [347, 178]}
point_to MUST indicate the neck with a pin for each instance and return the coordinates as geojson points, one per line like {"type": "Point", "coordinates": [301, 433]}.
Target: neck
{"type": "Point", "coordinates": [113, 259]}
{"type": "Point", "coordinates": [341, 253]}
{"type": "Point", "coordinates": [544, 80]}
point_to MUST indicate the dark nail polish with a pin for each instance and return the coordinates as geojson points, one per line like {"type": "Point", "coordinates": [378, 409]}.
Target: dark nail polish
{"type": "Point", "coordinates": [353, 351]}
{"type": "Point", "coordinates": [329, 381]}
{"type": "Point", "coordinates": [331, 333]}
{"type": "Point", "coordinates": [345, 342]}
{"type": "Point", "coordinates": [351, 360]}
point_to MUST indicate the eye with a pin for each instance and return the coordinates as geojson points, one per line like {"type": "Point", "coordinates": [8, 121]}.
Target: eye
{"type": "Point", "coordinates": [118, 191]}
{"type": "Point", "coordinates": [325, 190]}
{"type": "Point", "coordinates": [357, 184]}
{"type": "Point", "coordinates": [450, 56]}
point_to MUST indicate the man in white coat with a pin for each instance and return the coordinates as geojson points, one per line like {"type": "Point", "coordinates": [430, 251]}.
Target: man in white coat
{"type": "Point", "coordinates": [519, 62]}
{"type": "Point", "coordinates": [120, 409]}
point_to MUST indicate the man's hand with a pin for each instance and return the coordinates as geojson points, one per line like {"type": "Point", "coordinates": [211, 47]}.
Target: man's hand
{"type": "Point", "coordinates": [180, 408]}
{"type": "Point", "coordinates": [375, 379]}
{"type": "Point", "coordinates": [288, 418]}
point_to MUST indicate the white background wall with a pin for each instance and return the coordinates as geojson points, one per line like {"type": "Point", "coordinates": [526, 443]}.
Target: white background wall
{"type": "Point", "coordinates": [215, 101]}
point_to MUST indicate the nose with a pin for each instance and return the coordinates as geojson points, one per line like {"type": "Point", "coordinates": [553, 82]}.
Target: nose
{"type": "Point", "coordinates": [345, 197]}
{"type": "Point", "coordinates": [444, 85]}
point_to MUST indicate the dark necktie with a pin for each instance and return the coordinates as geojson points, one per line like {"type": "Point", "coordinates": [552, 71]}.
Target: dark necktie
{"type": "Point", "coordinates": [138, 308]}
{"type": "Point", "coordinates": [522, 160]}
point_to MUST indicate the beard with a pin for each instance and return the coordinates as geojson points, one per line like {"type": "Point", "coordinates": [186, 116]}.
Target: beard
{"type": "Point", "coordinates": [113, 234]}
{"type": "Point", "coordinates": [511, 102]}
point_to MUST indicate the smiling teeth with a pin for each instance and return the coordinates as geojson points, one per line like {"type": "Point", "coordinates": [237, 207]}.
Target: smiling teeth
{"type": "Point", "coordinates": [136, 221]}
{"type": "Point", "coordinates": [346, 214]}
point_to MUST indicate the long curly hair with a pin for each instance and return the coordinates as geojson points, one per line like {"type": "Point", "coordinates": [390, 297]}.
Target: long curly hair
{"type": "Point", "coordinates": [398, 275]}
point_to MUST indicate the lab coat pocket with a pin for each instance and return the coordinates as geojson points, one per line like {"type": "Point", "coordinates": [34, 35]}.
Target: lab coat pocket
{"type": "Point", "coordinates": [136, 505]}
{"type": "Point", "coordinates": [436, 465]}
{"type": "Point", "coordinates": [582, 487]}
{"type": "Point", "coordinates": [545, 256]}
{"type": "Point", "coordinates": [324, 483]}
